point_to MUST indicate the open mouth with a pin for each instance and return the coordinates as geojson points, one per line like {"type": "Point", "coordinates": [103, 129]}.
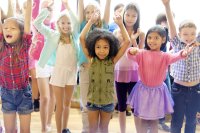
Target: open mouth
{"type": "Point", "coordinates": [8, 36]}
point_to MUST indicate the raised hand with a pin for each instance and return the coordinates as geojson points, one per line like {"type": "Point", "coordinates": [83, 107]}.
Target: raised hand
{"type": "Point", "coordinates": [65, 1]}
{"type": "Point", "coordinates": [95, 16]}
{"type": "Point", "coordinates": [48, 4]}
{"type": "Point", "coordinates": [118, 19]}
{"type": "Point", "coordinates": [165, 2]}
{"type": "Point", "coordinates": [134, 36]}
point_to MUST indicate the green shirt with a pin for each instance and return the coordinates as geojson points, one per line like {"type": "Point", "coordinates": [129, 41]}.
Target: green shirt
{"type": "Point", "coordinates": [101, 82]}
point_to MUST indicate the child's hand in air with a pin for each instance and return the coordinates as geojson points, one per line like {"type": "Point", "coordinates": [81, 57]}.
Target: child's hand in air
{"type": "Point", "coordinates": [118, 19]}
{"type": "Point", "coordinates": [48, 4]}
{"type": "Point", "coordinates": [134, 36]}
{"type": "Point", "coordinates": [95, 16]}
{"type": "Point", "coordinates": [165, 2]}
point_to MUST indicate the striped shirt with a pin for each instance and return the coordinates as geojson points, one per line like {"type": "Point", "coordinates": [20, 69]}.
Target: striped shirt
{"type": "Point", "coordinates": [188, 69]}
{"type": "Point", "coordinates": [14, 74]}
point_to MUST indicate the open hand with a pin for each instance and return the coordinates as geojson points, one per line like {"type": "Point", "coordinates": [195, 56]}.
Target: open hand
{"type": "Point", "coordinates": [165, 2]}
{"type": "Point", "coordinates": [95, 16]}
{"type": "Point", "coordinates": [118, 19]}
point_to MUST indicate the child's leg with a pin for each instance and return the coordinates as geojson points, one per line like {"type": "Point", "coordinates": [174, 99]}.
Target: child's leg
{"type": "Point", "coordinates": [67, 103]}
{"type": "Point", "coordinates": [59, 95]}
{"type": "Point", "coordinates": [93, 117]}
{"type": "Point", "coordinates": [153, 126]}
{"type": "Point", "coordinates": [137, 123]}
{"type": "Point", "coordinates": [43, 84]}
{"type": "Point", "coordinates": [144, 126]}
{"type": "Point", "coordinates": [104, 121]}
{"type": "Point", "coordinates": [25, 121]}
{"type": "Point", "coordinates": [34, 85]}
{"type": "Point", "coordinates": [51, 106]}
{"type": "Point", "coordinates": [9, 122]}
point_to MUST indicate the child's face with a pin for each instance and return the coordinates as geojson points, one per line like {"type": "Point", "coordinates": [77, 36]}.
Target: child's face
{"type": "Point", "coordinates": [188, 34]}
{"type": "Point", "coordinates": [154, 41]}
{"type": "Point", "coordinates": [102, 48]}
{"type": "Point", "coordinates": [11, 31]}
{"type": "Point", "coordinates": [64, 25]}
{"type": "Point", "coordinates": [130, 17]}
{"type": "Point", "coordinates": [90, 9]}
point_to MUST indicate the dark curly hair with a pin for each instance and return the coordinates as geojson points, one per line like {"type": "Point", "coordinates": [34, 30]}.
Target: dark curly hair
{"type": "Point", "coordinates": [161, 31]}
{"type": "Point", "coordinates": [97, 34]}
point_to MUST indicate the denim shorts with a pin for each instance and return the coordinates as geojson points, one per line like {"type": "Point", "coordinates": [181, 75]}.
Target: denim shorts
{"type": "Point", "coordinates": [17, 100]}
{"type": "Point", "coordinates": [109, 108]}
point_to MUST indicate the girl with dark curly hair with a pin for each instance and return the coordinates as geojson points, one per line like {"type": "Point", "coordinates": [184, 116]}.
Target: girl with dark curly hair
{"type": "Point", "coordinates": [102, 50]}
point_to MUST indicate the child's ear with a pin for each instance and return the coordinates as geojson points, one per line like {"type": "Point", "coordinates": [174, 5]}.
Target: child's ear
{"type": "Point", "coordinates": [164, 40]}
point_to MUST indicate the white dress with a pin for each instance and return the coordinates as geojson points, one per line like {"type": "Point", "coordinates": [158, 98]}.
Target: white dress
{"type": "Point", "coordinates": [65, 69]}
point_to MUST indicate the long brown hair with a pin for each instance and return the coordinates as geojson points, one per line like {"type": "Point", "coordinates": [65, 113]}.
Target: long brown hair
{"type": "Point", "coordinates": [18, 45]}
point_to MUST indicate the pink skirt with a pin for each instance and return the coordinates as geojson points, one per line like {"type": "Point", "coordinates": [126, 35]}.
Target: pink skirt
{"type": "Point", "coordinates": [150, 103]}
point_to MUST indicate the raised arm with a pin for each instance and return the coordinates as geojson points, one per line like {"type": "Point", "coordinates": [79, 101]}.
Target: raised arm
{"type": "Point", "coordinates": [106, 16]}
{"type": "Point", "coordinates": [73, 17]}
{"type": "Point", "coordinates": [18, 8]}
{"type": "Point", "coordinates": [81, 10]}
{"type": "Point", "coordinates": [170, 18]}
{"type": "Point", "coordinates": [28, 14]}
{"type": "Point", "coordinates": [141, 36]}
{"type": "Point", "coordinates": [11, 8]}
{"type": "Point", "coordinates": [126, 40]}
{"type": "Point", "coordinates": [84, 32]}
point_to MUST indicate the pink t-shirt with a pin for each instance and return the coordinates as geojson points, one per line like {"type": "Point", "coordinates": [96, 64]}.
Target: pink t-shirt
{"type": "Point", "coordinates": [153, 65]}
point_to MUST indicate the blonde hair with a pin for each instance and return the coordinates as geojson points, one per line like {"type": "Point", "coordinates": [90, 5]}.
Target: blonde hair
{"type": "Point", "coordinates": [63, 36]}
{"type": "Point", "coordinates": [97, 7]}
{"type": "Point", "coordinates": [187, 24]}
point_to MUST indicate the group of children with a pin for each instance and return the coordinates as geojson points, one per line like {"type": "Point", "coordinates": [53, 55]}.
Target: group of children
{"type": "Point", "coordinates": [125, 59]}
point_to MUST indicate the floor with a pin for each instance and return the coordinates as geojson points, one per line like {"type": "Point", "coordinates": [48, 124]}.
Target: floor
{"type": "Point", "coordinates": [75, 123]}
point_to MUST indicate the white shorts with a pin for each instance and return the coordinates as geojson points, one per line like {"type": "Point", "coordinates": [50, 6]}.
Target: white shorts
{"type": "Point", "coordinates": [62, 77]}
{"type": "Point", "coordinates": [43, 72]}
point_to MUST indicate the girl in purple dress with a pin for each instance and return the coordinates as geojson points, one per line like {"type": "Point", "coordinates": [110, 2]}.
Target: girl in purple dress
{"type": "Point", "coordinates": [150, 97]}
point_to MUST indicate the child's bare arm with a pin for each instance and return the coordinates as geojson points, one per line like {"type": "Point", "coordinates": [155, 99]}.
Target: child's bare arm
{"type": "Point", "coordinates": [126, 40]}
{"type": "Point", "coordinates": [85, 31]}
{"type": "Point", "coordinates": [28, 14]}
{"type": "Point", "coordinates": [107, 12]}
{"type": "Point", "coordinates": [81, 10]}
{"type": "Point", "coordinates": [18, 9]}
{"type": "Point", "coordinates": [11, 9]}
{"type": "Point", "coordinates": [170, 18]}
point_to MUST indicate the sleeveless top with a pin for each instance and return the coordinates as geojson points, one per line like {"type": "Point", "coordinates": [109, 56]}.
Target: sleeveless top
{"type": "Point", "coordinates": [101, 86]}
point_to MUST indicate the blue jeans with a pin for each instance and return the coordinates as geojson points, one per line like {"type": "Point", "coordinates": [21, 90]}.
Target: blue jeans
{"type": "Point", "coordinates": [17, 101]}
{"type": "Point", "coordinates": [186, 102]}
{"type": "Point", "coordinates": [109, 108]}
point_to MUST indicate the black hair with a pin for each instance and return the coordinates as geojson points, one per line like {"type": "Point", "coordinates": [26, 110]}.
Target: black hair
{"type": "Point", "coordinates": [135, 7]}
{"type": "Point", "coordinates": [161, 31]}
{"type": "Point", "coordinates": [97, 34]}
{"type": "Point", "coordinates": [118, 6]}
{"type": "Point", "coordinates": [161, 18]}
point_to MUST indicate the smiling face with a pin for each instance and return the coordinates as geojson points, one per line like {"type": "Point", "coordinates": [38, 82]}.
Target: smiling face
{"type": "Point", "coordinates": [64, 25]}
{"type": "Point", "coordinates": [11, 31]}
{"type": "Point", "coordinates": [154, 41]}
{"type": "Point", "coordinates": [188, 34]}
{"type": "Point", "coordinates": [102, 48]}
{"type": "Point", "coordinates": [130, 17]}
